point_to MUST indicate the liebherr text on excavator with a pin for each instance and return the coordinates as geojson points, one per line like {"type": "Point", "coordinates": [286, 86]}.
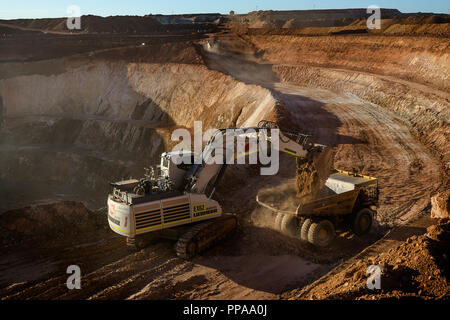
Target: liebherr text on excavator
{"type": "Point", "coordinates": [173, 201]}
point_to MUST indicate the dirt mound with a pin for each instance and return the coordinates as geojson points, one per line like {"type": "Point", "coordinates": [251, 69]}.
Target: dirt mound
{"type": "Point", "coordinates": [308, 182]}
{"type": "Point", "coordinates": [91, 23]}
{"type": "Point", "coordinates": [440, 28]}
{"type": "Point", "coordinates": [5, 31]}
{"type": "Point", "coordinates": [440, 205]}
{"type": "Point", "coordinates": [50, 223]}
{"type": "Point", "coordinates": [304, 18]}
{"type": "Point", "coordinates": [177, 52]}
{"type": "Point", "coordinates": [312, 175]}
{"type": "Point", "coordinates": [113, 24]}
{"type": "Point", "coordinates": [401, 24]}
{"type": "Point", "coordinates": [56, 24]}
{"type": "Point", "coordinates": [418, 268]}
{"type": "Point", "coordinates": [118, 24]}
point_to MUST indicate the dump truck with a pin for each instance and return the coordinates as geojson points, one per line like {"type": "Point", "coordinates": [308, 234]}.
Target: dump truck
{"type": "Point", "coordinates": [175, 200]}
{"type": "Point", "coordinates": [348, 200]}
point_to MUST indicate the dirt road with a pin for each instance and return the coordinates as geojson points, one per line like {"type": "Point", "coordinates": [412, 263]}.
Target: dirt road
{"type": "Point", "coordinates": [369, 140]}
{"type": "Point", "coordinates": [366, 137]}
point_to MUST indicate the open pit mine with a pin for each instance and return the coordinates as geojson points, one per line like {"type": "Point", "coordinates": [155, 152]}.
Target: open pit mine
{"type": "Point", "coordinates": [364, 151]}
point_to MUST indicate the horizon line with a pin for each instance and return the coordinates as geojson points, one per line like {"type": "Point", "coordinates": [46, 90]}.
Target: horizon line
{"type": "Point", "coordinates": [218, 13]}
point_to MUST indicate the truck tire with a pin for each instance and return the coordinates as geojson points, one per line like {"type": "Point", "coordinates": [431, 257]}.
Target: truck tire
{"type": "Point", "coordinates": [321, 233]}
{"type": "Point", "coordinates": [362, 222]}
{"type": "Point", "coordinates": [289, 225]}
{"type": "Point", "coordinates": [304, 229]}
{"type": "Point", "coordinates": [278, 219]}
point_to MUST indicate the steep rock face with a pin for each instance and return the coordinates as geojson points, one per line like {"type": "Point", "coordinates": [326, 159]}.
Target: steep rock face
{"type": "Point", "coordinates": [164, 93]}
{"type": "Point", "coordinates": [188, 93]}
{"type": "Point", "coordinates": [50, 223]}
{"type": "Point", "coordinates": [303, 18]}
{"type": "Point", "coordinates": [116, 107]}
{"type": "Point", "coordinates": [421, 59]}
{"type": "Point", "coordinates": [405, 75]}
{"type": "Point", "coordinates": [423, 109]}
{"type": "Point", "coordinates": [104, 120]}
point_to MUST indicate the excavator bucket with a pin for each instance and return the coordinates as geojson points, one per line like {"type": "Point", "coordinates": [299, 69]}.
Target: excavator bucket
{"type": "Point", "coordinates": [313, 171]}
{"type": "Point", "coordinates": [323, 162]}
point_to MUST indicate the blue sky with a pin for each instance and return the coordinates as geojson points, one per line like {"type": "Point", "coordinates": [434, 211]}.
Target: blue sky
{"type": "Point", "coordinates": [54, 8]}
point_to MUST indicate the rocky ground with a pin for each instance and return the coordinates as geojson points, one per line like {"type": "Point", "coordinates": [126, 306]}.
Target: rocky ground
{"type": "Point", "coordinates": [101, 107]}
{"type": "Point", "coordinates": [417, 268]}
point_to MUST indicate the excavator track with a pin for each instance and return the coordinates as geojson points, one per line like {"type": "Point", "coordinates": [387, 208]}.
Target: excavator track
{"type": "Point", "coordinates": [204, 235]}
{"type": "Point", "coordinates": [141, 241]}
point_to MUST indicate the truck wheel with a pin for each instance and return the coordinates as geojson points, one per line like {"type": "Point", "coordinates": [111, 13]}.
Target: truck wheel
{"type": "Point", "coordinates": [363, 221]}
{"type": "Point", "coordinates": [304, 230]}
{"type": "Point", "coordinates": [278, 220]}
{"type": "Point", "coordinates": [289, 225]}
{"type": "Point", "coordinates": [321, 233]}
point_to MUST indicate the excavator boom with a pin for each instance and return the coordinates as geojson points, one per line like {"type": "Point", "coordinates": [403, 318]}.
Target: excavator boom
{"type": "Point", "coordinates": [287, 141]}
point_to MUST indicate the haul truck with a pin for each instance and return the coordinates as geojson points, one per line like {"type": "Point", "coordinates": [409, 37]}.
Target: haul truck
{"type": "Point", "coordinates": [172, 202]}
{"type": "Point", "coordinates": [348, 201]}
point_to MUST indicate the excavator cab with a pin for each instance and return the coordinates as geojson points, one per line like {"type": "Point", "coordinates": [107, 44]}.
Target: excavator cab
{"type": "Point", "coordinates": [174, 166]}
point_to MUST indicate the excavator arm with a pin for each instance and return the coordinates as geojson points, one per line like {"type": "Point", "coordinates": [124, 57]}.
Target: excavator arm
{"type": "Point", "coordinates": [291, 142]}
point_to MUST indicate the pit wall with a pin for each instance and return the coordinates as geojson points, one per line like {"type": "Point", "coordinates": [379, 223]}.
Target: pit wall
{"type": "Point", "coordinates": [426, 113]}
{"type": "Point", "coordinates": [404, 75]}
{"type": "Point", "coordinates": [169, 94]}
{"type": "Point", "coordinates": [420, 59]}
{"type": "Point", "coordinates": [105, 120]}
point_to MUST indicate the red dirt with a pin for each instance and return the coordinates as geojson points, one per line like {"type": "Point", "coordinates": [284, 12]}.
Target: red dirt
{"type": "Point", "coordinates": [335, 22]}
{"type": "Point", "coordinates": [418, 268]}
{"type": "Point", "coordinates": [379, 101]}
{"type": "Point", "coordinates": [309, 180]}
{"type": "Point", "coordinates": [440, 205]}
{"type": "Point", "coordinates": [52, 224]}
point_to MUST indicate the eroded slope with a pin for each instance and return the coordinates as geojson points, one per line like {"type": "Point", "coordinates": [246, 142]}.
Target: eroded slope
{"type": "Point", "coordinates": [102, 118]}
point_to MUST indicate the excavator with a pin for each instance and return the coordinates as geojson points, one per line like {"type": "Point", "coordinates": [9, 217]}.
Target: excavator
{"type": "Point", "coordinates": [175, 200]}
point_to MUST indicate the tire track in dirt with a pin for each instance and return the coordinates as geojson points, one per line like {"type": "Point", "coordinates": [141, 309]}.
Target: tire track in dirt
{"type": "Point", "coordinates": [128, 286]}
{"type": "Point", "coordinates": [370, 140]}
{"type": "Point", "coordinates": [97, 280]}
{"type": "Point", "coordinates": [101, 279]}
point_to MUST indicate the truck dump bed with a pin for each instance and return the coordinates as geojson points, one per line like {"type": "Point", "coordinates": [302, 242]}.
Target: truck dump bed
{"type": "Point", "coordinates": [337, 197]}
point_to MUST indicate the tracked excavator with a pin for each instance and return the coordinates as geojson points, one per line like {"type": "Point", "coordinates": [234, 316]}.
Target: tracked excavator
{"type": "Point", "coordinates": [175, 200]}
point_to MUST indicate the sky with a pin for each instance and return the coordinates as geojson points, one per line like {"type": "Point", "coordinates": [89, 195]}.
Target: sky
{"type": "Point", "coordinates": [58, 8]}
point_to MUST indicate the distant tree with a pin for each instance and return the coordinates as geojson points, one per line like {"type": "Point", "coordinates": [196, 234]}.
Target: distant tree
{"type": "Point", "coordinates": [231, 13]}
